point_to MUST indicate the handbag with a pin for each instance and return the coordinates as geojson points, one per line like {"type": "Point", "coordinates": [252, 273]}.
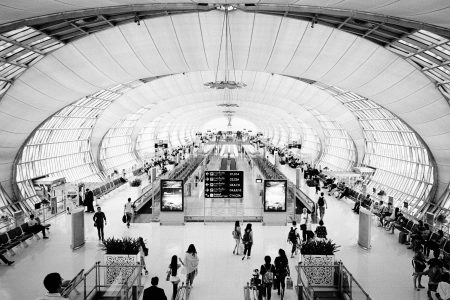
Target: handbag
{"type": "Point", "coordinates": [289, 283]}
{"type": "Point", "coordinates": [168, 275]}
{"type": "Point", "coordinates": [124, 218]}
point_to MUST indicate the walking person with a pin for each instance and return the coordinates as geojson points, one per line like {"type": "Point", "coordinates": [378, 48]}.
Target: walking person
{"type": "Point", "coordinates": [322, 203]}
{"type": "Point", "coordinates": [99, 218]}
{"type": "Point", "coordinates": [173, 274]}
{"type": "Point", "coordinates": [281, 270]}
{"type": "Point", "coordinates": [304, 218]}
{"type": "Point", "coordinates": [143, 252]}
{"type": "Point", "coordinates": [293, 238]}
{"type": "Point", "coordinates": [237, 237]}
{"type": "Point", "coordinates": [267, 273]}
{"type": "Point", "coordinates": [128, 211]}
{"type": "Point", "coordinates": [321, 231]}
{"type": "Point", "coordinates": [191, 264]}
{"type": "Point", "coordinates": [247, 239]}
{"type": "Point", "coordinates": [154, 292]}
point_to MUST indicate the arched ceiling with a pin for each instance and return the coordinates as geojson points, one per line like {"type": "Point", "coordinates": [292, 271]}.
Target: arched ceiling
{"type": "Point", "coordinates": [262, 44]}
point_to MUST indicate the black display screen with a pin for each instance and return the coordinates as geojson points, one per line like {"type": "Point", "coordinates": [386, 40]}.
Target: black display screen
{"type": "Point", "coordinates": [224, 184]}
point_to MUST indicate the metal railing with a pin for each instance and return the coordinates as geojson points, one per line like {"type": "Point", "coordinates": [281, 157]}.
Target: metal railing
{"type": "Point", "coordinates": [332, 281]}
{"type": "Point", "coordinates": [123, 282]}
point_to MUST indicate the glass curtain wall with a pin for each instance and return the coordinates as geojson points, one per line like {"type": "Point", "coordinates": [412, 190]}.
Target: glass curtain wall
{"type": "Point", "coordinates": [339, 152]}
{"type": "Point", "coordinates": [402, 162]}
{"type": "Point", "coordinates": [20, 49]}
{"type": "Point", "coordinates": [61, 146]}
{"type": "Point", "coordinates": [145, 144]}
{"type": "Point", "coordinates": [116, 151]}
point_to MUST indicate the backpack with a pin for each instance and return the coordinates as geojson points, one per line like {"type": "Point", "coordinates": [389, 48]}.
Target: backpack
{"type": "Point", "coordinates": [246, 237]}
{"type": "Point", "coordinates": [292, 236]}
{"type": "Point", "coordinates": [268, 276]}
{"type": "Point", "coordinates": [320, 202]}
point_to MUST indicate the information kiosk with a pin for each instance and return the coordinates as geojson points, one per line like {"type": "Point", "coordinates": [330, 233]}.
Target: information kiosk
{"type": "Point", "coordinates": [172, 202]}
{"type": "Point", "coordinates": [274, 202]}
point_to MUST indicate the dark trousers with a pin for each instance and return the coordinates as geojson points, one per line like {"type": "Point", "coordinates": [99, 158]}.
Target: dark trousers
{"type": "Point", "coordinates": [303, 228]}
{"type": "Point", "coordinates": [174, 290]}
{"type": "Point", "coordinates": [279, 282]}
{"type": "Point", "coordinates": [90, 206]}
{"type": "Point", "coordinates": [266, 290]}
{"type": "Point", "coordinates": [36, 228]}
{"type": "Point", "coordinates": [357, 205]}
{"type": "Point", "coordinates": [294, 248]}
{"type": "Point", "coordinates": [101, 233]}
{"type": "Point", "coordinates": [248, 249]}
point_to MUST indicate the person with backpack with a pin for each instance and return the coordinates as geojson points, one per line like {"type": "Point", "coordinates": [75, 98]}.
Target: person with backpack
{"type": "Point", "coordinates": [247, 239]}
{"type": "Point", "coordinates": [281, 270]}
{"type": "Point", "coordinates": [143, 252]}
{"type": "Point", "coordinates": [267, 273]}
{"type": "Point", "coordinates": [293, 238]}
{"type": "Point", "coordinates": [322, 203]}
{"type": "Point", "coordinates": [237, 237]}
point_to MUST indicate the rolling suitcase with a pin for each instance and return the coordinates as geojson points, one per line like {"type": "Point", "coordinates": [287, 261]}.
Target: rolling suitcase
{"type": "Point", "coordinates": [402, 237]}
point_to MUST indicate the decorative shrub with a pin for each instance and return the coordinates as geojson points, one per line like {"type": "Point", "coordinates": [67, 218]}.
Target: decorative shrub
{"type": "Point", "coordinates": [125, 245]}
{"type": "Point", "coordinates": [319, 247]}
{"type": "Point", "coordinates": [136, 182]}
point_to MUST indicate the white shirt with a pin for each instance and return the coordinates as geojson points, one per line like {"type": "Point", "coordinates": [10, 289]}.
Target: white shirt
{"type": "Point", "coordinates": [444, 290]}
{"type": "Point", "coordinates": [52, 296]}
{"type": "Point", "coordinates": [128, 208]}
{"type": "Point", "coordinates": [304, 217]}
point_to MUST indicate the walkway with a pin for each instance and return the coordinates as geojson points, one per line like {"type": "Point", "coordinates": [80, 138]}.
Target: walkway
{"type": "Point", "coordinates": [384, 271]}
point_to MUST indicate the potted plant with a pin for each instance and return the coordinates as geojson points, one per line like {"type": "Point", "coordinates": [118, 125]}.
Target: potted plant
{"type": "Point", "coordinates": [319, 254]}
{"type": "Point", "coordinates": [119, 253]}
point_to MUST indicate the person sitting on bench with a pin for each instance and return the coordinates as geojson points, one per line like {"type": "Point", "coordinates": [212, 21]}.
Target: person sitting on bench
{"type": "Point", "coordinates": [34, 226]}
{"type": "Point", "coordinates": [399, 223]}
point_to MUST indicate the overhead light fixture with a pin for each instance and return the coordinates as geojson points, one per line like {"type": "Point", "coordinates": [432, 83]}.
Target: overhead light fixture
{"type": "Point", "coordinates": [227, 82]}
{"type": "Point", "coordinates": [228, 105]}
{"type": "Point", "coordinates": [137, 20]}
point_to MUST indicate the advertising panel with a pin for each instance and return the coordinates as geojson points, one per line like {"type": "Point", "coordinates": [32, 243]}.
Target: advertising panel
{"type": "Point", "coordinates": [172, 197]}
{"type": "Point", "coordinates": [275, 195]}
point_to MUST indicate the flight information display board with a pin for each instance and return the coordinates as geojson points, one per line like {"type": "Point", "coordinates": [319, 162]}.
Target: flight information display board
{"type": "Point", "coordinates": [224, 184]}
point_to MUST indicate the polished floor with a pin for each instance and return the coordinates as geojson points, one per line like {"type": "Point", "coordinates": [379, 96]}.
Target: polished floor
{"type": "Point", "coordinates": [384, 270]}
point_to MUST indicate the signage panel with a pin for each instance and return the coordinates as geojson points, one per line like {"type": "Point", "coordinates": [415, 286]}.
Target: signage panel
{"type": "Point", "coordinates": [275, 195]}
{"type": "Point", "coordinates": [172, 195]}
{"type": "Point", "coordinates": [224, 184]}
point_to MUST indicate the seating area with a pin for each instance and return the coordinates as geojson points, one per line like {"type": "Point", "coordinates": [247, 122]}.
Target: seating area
{"type": "Point", "coordinates": [16, 237]}
{"type": "Point", "coordinates": [105, 188]}
{"type": "Point", "coordinates": [267, 169]}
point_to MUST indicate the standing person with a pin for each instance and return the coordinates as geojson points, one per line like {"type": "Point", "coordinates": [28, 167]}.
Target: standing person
{"type": "Point", "coordinates": [267, 273]}
{"type": "Point", "coordinates": [89, 200]}
{"type": "Point", "coordinates": [191, 264]}
{"type": "Point", "coordinates": [281, 270]}
{"type": "Point", "coordinates": [173, 274]}
{"type": "Point", "coordinates": [247, 239]}
{"type": "Point", "coordinates": [419, 264]}
{"type": "Point", "coordinates": [143, 252]}
{"type": "Point", "coordinates": [304, 217]}
{"type": "Point", "coordinates": [99, 218]}
{"type": "Point", "coordinates": [434, 274]}
{"type": "Point", "coordinates": [128, 211]}
{"type": "Point", "coordinates": [293, 238]}
{"type": "Point", "coordinates": [154, 292]}
{"type": "Point", "coordinates": [322, 203]}
{"type": "Point", "coordinates": [237, 237]}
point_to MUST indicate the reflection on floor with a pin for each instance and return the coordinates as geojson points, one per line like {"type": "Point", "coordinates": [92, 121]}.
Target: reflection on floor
{"type": "Point", "coordinates": [384, 271]}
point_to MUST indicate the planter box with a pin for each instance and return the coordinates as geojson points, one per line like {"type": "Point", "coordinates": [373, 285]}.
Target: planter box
{"type": "Point", "coordinates": [115, 270]}
{"type": "Point", "coordinates": [319, 276]}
